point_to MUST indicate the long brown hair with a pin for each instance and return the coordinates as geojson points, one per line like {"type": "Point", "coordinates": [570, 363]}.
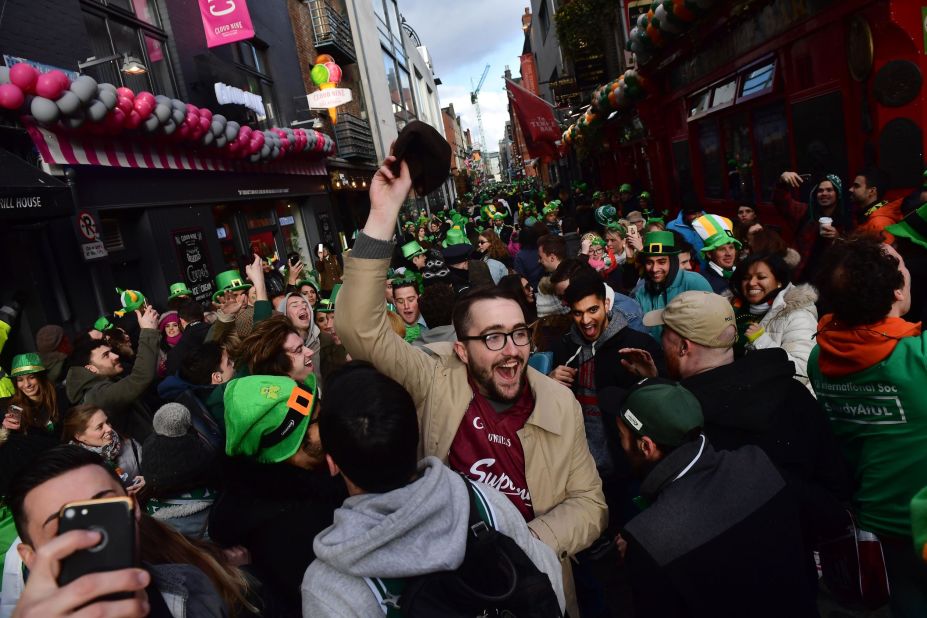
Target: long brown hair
{"type": "Point", "coordinates": [76, 420]}
{"type": "Point", "coordinates": [161, 544]}
{"type": "Point", "coordinates": [497, 250]}
{"type": "Point", "coordinates": [262, 351]}
{"type": "Point", "coordinates": [34, 411]}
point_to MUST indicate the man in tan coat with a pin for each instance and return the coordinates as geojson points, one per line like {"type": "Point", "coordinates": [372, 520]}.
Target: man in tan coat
{"type": "Point", "coordinates": [481, 409]}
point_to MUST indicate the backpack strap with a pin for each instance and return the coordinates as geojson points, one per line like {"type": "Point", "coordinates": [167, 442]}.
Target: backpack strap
{"type": "Point", "coordinates": [387, 591]}
{"type": "Point", "coordinates": [480, 508]}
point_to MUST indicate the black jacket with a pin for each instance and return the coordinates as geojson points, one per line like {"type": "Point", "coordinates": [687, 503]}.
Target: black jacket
{"type": "Point", "coordinates": [721, 540]}
{"type": "Point", "coordinates": [275, 510]}
{"type": "Point", "coordinates": [718, 283]}
{"type": "Point", "coordinates": [193, 337]}
{"type": "Point", "coordinates": [755, 400]}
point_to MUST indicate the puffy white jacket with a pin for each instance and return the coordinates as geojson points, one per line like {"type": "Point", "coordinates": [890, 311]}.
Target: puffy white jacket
{"type": "Point", "coordinates": [791, 324]}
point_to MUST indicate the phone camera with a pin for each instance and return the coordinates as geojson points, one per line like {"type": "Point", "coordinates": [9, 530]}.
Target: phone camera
{"type": "Point", "coordinates": [70, 514]}
{"type": "Point", "coordinates": [104, 540]}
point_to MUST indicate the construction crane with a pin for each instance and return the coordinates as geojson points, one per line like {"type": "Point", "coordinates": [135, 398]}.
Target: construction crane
{"type": "Point", "coordinates": [475, 101]}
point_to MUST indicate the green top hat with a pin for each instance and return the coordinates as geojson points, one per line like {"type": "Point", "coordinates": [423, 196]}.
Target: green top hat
{"type": "Point", "coordinates": [266, 417]}
{"type": "Point", "coordinates": [912, 227]}
{"type": "Point", "coordinates": [24, 364]}
{"type": "Point", "coordinates": [625, 188]}
{"type": "Point", "coordinates": [715, 231]}
{"type": "Point", "coordinates": [178, 289]}
{"type": "Point", "coordinates": [229, 281]}
{"type": "Point", "coordinates": [659, 243]}
{"type": "Point", "coordinates": [412, 249]}
{"type": "Point", "coordinates": [103, 323]}
{"type": "Point", "coordinates": [131, 300]}
{"type": "Point", "coordinates": [455, 236]}
{"type": "Point", "coordinates": [326, 305]}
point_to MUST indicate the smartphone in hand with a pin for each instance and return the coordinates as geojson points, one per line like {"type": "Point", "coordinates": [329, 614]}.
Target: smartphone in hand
{"type": "Point", "coordinates": [114, 519]}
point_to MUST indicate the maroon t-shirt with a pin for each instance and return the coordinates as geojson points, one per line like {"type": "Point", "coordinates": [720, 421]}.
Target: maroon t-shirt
{"type": "Point", "coordinates": [487, 448]}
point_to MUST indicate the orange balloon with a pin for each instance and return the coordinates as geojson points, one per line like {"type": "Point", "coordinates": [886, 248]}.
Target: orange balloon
{"type": "Point", "coordinates": [323, 58]}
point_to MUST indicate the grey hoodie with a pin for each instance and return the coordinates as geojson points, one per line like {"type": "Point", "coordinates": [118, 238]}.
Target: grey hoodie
{"type": "Point", "coordinates": [417, 529]}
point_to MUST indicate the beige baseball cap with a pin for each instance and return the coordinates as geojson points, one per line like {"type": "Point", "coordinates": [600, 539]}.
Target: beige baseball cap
{"type": "Point", "coordinates": [702, 317]}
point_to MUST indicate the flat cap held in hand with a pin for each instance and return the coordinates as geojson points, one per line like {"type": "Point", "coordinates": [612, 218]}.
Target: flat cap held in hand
{"type": "Point", "coordinates": [427, 154]}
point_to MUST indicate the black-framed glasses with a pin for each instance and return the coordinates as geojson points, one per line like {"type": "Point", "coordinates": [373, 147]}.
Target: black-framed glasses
{"type": "Point", "coordinates": [494, 342]}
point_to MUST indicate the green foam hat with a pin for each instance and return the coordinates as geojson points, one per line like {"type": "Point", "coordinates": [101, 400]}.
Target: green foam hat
{"type": "Point", "coordinates": [645, 195]}
{"type": "Point", "coordinates": [24, 364]}
{"type": "Point", "coordinates": [455, 236]}
{"type": "Point", "coordinates": [103, 323]}
{"type": "Point", "coordinates": [131, 300]}
{"type": "Point", "coordinates": [659, 243]}
{"type": "Point", "coordinates": [551, 207]}
{"type": "Point", "coordinates": [229, 281]}
{"type": "Point", "coordinates": [605, 214]}
{"type": "Point", "coordinates": [715, 231]}
{"type": "Point", "coordinates": [412, 249]}
{"type": "Point", "coordinates": [625, 188]}
{"type": "Point", "coordinates": [266, 417]}
{"type": "Point", "coordinates": [912, 227]}
{"type": "Point", "coordinates": [178, 289]}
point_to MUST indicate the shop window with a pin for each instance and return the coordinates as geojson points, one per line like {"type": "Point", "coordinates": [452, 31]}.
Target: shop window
{"type": "Point", "coordinates": [291, 226]}
{"type": "Point", "coordinates": [771, 137]}
{"type": "Point", "coordinates": [818, 132]}
{"type": "Point", "coordinates": [738, 152]}
{"type": "Point", "coordinates": [111, 234]}
{"type": "Point", "coordinates": [724, 94]}
{"type": "Point", "coordinates": [709, 147]}
{"type": "Point", "coordinates": [543, 20]}
{"type": "Point", "coordinates": [699, 103]}
{"type": "Point", "coordinates": [758, 81]}
{"type": "Point", "coordinates": [129, 27]}
{"type": "Point", "coordinates": [252, 56]}
{"type": "Point", "coordinates": [258, 219]}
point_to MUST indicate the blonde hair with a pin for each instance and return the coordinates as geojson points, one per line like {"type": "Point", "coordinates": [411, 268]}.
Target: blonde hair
{"type": "Point", "coordinates": [399, 327]}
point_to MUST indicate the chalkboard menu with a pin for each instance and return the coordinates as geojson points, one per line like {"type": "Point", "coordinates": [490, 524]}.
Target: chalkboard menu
{"type": "Point", "coordinates": [194, 263]}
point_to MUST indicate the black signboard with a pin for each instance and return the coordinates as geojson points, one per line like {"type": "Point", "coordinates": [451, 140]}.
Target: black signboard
{"type": "Point", "coordinates": [28, 193]}
{"type": "Point", "coordinates": [194, 263]}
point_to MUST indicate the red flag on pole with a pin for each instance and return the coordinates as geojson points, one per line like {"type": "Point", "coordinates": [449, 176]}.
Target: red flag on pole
{"type": "Point", "coordinates": [537, 121]}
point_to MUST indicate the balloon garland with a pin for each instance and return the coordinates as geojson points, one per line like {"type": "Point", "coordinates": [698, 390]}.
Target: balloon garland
{"type": "Point", "coordinates": [103, 109]}
{"type": "Point", "coordinates": [617, 95]}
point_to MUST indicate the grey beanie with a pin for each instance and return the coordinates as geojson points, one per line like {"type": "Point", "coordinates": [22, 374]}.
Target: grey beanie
{"type": "Point", "coordinates": [172, 420]}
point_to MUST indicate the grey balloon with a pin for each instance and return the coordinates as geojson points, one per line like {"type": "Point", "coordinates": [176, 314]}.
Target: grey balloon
{"type": "Point", "coordinates": [104, 87]}
{"type": "Point", "coordinates": [231, 130]}
{"type": "Point", "coordinates": [160, 98]}
{"type": "Point", "coordinates": [151, 123]}
{"type": "Point", "coordinates": [221, 141]}
{"type": "Point", "coordinates": [179, 105]}
{"type": "Point", "coordinates": [265, 150]}
{"type": "Point", "coordinates": [68, 103]}
{"type": "Point", "coordinates": [255, 157]}
{"type": "Point", "coordinates": [4, 75]}
{"type": "Point", "coordinates": [96, 111]}
{"type": "Point", "coordinates": [73, 122]}
{"type": "Point", "coordinates": [108, 97]}
{"type": "Point", "coordinates": [177, 116]}
{"type": "Point", "coordinates": [44, 110]}
{"type": "Point", "coordinates": [169, 127]}
{"type": "Point", "coordinates": [85, 87]}
{"type": "Point", "coordinates": [208, 138]}
{"type": "Point", "coordinates": [163, 112]}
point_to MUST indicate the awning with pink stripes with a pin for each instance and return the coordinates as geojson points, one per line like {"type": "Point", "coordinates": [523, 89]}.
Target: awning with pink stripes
{"type": "Point", "coordinates": [69, 149]}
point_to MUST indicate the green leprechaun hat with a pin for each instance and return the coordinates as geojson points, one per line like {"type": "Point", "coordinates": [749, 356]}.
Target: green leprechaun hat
{"type": "Point", "coordinates": [24, 364]}
{"type": "Point", "coordinates": [131, 300]}
{"type": "Point", "coordinates": [178, 289]}
{"type": "Point", "coordinates": [645, 195]}
{"type": "Point", "coordinates": [625, 188]}
{"type": "Point", "coordinates": [912, 227]}
{"type": "Point", "coordinates": [103, 323]}
{"type": "Point", "coordinates": [229, 281]}
{"type": "Point", "coordinates": [659, 243]}
{"type": "Point", "coordinates": [326, 305]}
{"type": "Point", "coordinates": [715, 231]}
{"type": "Point", "coordinates": [552, 207]}
{"type": "Point", "coordinates": [412, 249]}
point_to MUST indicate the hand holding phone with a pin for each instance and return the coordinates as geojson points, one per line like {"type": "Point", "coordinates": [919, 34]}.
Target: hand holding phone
{"type": "Point", "coordinates": [13, 420]}
{"type": "Point", "coordinates": [632, 230]}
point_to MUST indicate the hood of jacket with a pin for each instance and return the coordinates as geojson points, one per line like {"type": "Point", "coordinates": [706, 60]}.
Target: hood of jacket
{"type": "Point", "coordinates": [439, 333]}
{"type": "Point", "coordinates": [793, 298]}
{"type": "Point", "coordinates": [746, 394]}
{"type": "Point", "coordinates": [847, 350]}
{"type": "Point", "coordinates": [410, 531]}
{"type": "Point", "coordinates": [616, 321]}
{"type": "Point", "coordinates": [79, 381]}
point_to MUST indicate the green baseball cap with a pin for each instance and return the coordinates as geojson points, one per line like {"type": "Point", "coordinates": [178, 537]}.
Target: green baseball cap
{"type": "Point", "coordinates": [266, 417]}
{"type": "Point", "coordinates": [24, 364]}
{"type": "Point", "coordinates": [659, 409]}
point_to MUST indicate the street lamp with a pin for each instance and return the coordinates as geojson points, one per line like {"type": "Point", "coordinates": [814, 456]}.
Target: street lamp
{"type": "Point", "coordinates": [130, 64]}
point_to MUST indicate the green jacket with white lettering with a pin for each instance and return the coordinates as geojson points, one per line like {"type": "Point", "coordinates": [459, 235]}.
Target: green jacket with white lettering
{"type": "Point", "coordinates": [879, 416]}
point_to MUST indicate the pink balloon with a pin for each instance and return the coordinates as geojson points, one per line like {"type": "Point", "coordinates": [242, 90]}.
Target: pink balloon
{"type": "Point", "coordinates": [206, 113]}
{"type": "Point", "coordinates": [115, 119]}
{"type": "Point", "coordinates": [144, 107]}
{"type": "Point", "coordinates": [259, 136]}
{"type": "Point", "coordinates": [48, 85]}
{"type": "Point", "coordinates": [125, 92]}
{"type": "Point", "coordinates": [183, 132]}
{"type": "Point", "coordinates": [24, 76]}
{"type": "Point", "coordinates": [133, 119]}
{"type": "Point", "coordinates": [124, 103]}
{"type": "Point", "coordinates": [334, 72]}
{"type": "Point", "coordinates": [62, 78]}
{"type": "Point", "coordinates": [193, 108]}
{"type": "Point", "coordinates": [11, 96]}
{"type": "Point", "coordinates": [204, 122]}
{"type": "Point", "coordinates": [146, 96]}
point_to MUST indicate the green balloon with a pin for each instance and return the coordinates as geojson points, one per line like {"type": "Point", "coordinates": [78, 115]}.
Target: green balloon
{"type": "Point", "coordinates": [319, 74]}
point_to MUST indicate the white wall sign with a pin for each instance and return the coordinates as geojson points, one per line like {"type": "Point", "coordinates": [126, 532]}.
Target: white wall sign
{"type": "Point", "coordinates": [230, 95]}
{"type": "Point", "coordinates": [332, 97]}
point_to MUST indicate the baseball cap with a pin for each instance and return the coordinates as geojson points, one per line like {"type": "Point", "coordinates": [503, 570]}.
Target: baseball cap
{"type": "Point", "coordinates": [266, 417]}
{"type": "Point", "coordinates": [702, 317]}
{"type": "Point", "coordinates": [657, 408]}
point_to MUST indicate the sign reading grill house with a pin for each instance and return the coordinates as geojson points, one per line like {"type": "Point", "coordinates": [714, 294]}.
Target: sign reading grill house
{"type": "Point", "coordinates": [15, 203]}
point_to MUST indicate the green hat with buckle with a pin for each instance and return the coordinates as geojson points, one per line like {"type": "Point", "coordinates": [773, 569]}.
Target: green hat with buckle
{"type": "Point", "coordinates": [266, 417]}
{"type": "Point", "coordinates": [103, 323]}
{"type": "Point", "coordinates": [715, 231]}
{"type": "Point", "coordinates": [229, 281]}
{"type": "Point", "coordinates": [178, 289]}
{"type": "Point", "coordinates": [412, 249]}
{"type": "Point", "coordinates": [24, 364]}
{"type": "Point", "coordinates": [659, 243]}
{"type": "Point", "coordinates": [912, 227]}
{"type": "Point", "coordinates": [131, 300]}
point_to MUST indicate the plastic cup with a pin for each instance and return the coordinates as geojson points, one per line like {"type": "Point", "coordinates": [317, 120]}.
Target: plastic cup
{"type": "Point", "coordinates": [825, 221]}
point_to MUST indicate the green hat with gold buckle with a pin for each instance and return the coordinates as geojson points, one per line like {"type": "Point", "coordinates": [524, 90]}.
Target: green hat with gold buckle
{"type": "Point", "coordinates": [412, 249]}
{"type": "Point", "coordinates": [229, 281]}
{"type": "Point", "coordinates": [659, 243]}
{"type": "Point", "coordinates": [178, 289]}
{"type": "Point", "coordinates": [24, 364]}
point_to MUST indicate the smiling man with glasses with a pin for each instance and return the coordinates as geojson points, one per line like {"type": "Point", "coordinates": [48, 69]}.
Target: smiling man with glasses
{"type": "Point", "coordinates": [481, 409]}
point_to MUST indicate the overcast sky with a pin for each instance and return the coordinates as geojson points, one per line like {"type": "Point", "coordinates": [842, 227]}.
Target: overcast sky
{"type": "Point", "coordinates": [462, 38]}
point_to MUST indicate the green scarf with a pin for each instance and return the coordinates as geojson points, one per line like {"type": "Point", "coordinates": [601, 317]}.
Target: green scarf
{"type": "Point", "coordinates": [412, 332]}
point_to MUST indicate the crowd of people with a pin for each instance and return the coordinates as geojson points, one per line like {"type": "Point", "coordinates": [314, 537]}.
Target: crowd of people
{"type": "Point", "coordinates": [564, 406]}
